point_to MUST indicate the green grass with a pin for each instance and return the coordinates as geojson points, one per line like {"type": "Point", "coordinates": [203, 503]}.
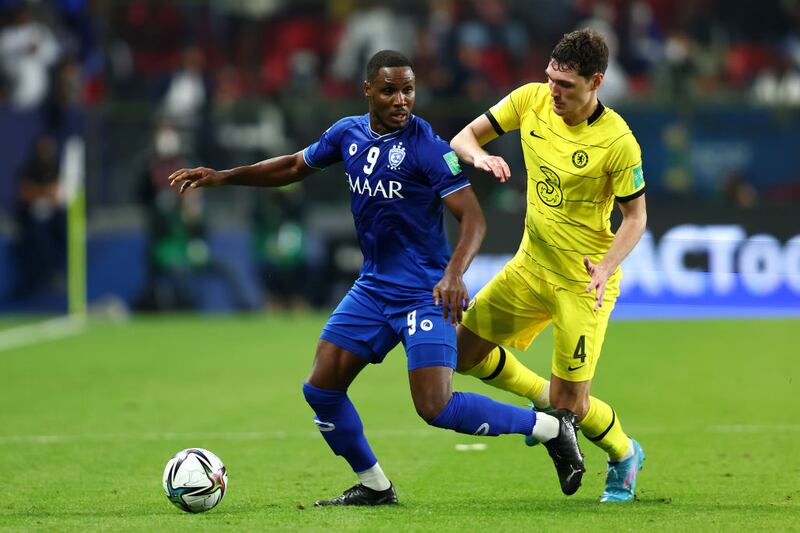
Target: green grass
{"type": "Point", "coordinates": [88, 422]}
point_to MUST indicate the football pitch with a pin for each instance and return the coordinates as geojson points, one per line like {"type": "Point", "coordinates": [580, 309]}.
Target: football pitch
{"type": "Point", "coordinates": [88, 422]}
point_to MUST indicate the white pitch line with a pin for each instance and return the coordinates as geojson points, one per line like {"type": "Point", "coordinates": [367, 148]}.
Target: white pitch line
{"type": "Point", "coordinates": [248, 435]}
{"type": "Point", "coordinates": [312, 434]}
{"type": "Point", "coordinates": [52, 329]}
{"type": "Point", "coordinates": [111, 437]}
{"type": "Point", "coordinates": [764, 428]}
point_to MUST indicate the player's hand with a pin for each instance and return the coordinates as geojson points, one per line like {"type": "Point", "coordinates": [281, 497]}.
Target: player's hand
{"type": "Point", "coordinates": [191, 178]}
{"type": "Point", "coordinates": [598, 283]}
{"type": "Point", "coordinates": [451, 294]}
{"type": "Point", "coordinates": [494, 164]}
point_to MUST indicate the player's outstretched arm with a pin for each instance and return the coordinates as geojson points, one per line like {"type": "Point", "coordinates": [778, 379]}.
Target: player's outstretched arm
{"type": "Point", "coordinates": [274, 172]}
{"type": "Point", "coordinates": [451, 291]}
{"type": "Point", "coordinates": [634, 222]}
{"type": "Point", "coordinates": [468, 144]}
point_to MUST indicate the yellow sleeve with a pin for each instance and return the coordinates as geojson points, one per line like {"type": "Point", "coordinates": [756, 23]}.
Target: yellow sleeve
{"type": "Point", "coordinates": [625, 168]}
{"type": "Point", "coordinates": [505, 115]}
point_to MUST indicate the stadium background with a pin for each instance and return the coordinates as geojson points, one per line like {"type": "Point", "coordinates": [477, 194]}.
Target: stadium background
{"type": "Point", "coordinates": [711, 92]}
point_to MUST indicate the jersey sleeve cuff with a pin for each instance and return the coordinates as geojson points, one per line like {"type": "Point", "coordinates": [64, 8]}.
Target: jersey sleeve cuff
{"type": "Point", "coordinates": [450, 190]}
{"type": "Point", "coordinates": [495, 124]}
{"type": "Point", "coordinates": [308, 162]}
{"type": "Point", "coordinates": [637, 194]}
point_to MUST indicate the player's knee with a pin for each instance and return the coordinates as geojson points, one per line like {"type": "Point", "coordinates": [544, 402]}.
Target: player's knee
{"type": "Point", "coordinates": [317, 396]}
{"type": "Point", "coordinates": [575, 402]}
{"type": "Point", "coordinates": [470, 350]}
{"type": "Point", "coordinates": [467, 362]}
{"type": "Point", "coordinates": [310, 393]}
{"type": "Point", "coordinates": [430, 407]}
{"type": "Point", "coordinates": [569, 395]}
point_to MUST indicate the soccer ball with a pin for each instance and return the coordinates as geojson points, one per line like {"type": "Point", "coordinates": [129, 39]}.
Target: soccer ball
{"type": "Point", "coordinates": [195, 480]}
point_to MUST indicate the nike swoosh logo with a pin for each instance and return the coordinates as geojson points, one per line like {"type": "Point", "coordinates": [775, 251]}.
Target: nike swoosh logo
{"type": "Point", "coordinates": [576, 368]}
{"type": "Point", "coordinates": [324, 426]}
{"type": "Point", "coordinates": [533, 134]}
{"type": "Point", "coordinates": [483, 429]}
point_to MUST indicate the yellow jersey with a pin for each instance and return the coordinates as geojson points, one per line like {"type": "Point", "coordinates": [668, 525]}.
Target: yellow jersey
{"type": "Point", "coordinates": [574, 175]}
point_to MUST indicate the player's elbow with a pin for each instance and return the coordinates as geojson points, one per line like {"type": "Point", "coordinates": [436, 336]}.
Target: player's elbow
{"type": "Point", "coordinates": [473, 226]}
{"type": "Point", "coordinates": [459, 142]}
{"type": "Point", "coordinates": [480, 233]}
{"type": "Point", "coordinates": [454, 144]}
{"type": "Point", "coordinates": [297, 171]}
{"type": "Point", "coordinates": [297, 168]}
{"type": "Point", "coordinates": [479, 223]}
{"type": "Point", "coordinates": [640, 221]}
{"type": "Point", "coordinates": [634, 218]}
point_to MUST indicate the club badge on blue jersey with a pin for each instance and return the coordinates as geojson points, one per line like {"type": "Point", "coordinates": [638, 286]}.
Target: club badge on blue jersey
{"type": "Point", "coordinates": [396, 155]}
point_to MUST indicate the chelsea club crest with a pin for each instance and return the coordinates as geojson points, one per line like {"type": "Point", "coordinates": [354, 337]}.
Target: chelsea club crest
{"type": "Point", "coordinates": [396, 155]}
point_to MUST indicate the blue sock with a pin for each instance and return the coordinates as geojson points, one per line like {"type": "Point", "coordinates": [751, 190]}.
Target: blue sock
{"type": "Point", "coordinates": [475, 414]}
{"type": "Point", "coordinates": [341, 426]}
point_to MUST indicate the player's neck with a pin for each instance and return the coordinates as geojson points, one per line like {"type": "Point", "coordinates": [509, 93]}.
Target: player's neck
{"type": "Point", "coordinates": [377, 126]}
{"type": "Point", "coordinates": [582, 114]}
{"type": "Point", "coordinates": [380, 128]}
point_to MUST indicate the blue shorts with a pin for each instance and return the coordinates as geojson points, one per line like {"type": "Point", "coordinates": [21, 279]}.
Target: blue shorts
{"type": "Point", "coordinates": [370, 325]}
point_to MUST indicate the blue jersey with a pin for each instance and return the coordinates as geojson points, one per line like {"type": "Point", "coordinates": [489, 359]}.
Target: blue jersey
{"type": "Point", "coordinates": [397, 182]}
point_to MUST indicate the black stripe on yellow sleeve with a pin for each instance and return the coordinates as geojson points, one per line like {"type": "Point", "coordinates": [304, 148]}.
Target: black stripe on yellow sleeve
{"type": "Point", "coordinates": [495, 124]}
{"type": "Point", "coordinates": [637, 194]}
{"type": "Point", "coordinates": [599, 437]}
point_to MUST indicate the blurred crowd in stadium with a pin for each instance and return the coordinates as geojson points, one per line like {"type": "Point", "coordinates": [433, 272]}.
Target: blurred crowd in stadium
{"type": "Point", "coordinates": [187, 55]}
{"type": "Point", "coordinates": [190, 54]}
{"type": "Point", "coordinates": [153, 85]}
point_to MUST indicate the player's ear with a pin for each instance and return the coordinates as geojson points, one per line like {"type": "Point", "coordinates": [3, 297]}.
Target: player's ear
{"type": "Point", "coordinates": [367, 89]}
{"type": "Point", "coordinates": [596, 80]}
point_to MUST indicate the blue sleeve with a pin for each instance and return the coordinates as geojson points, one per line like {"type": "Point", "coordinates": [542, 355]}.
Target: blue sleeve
{"type": "Point", "coordinates": [441, 165]}
{"type": "Point", "coordinates": [327, 150]}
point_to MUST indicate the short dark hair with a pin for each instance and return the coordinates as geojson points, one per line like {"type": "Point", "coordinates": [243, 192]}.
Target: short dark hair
{"type": "Point", "coordinates": [386, 58]}
{"type": "Point", "coordinates": [584, 51]}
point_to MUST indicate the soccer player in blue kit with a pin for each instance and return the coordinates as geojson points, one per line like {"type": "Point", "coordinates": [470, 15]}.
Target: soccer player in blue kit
{"type": "Point", "coordinates": [410, 287]}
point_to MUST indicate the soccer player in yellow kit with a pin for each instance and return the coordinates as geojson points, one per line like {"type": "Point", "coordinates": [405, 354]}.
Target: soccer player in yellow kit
{"type": "Point", "coordinates": [580, 158]}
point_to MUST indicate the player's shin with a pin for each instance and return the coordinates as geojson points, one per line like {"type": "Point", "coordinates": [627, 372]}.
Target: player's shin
{"type": "Point", "coordinates": [501, 369]}
{"type": "Point", "coordinates": [474, 414]}
{"type": "Point", "coordinates": [603, 428]}
{"type": "Point", "coordinates": [340, 425]}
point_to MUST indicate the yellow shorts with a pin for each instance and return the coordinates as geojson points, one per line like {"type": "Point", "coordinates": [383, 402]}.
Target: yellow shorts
{"type": "Point", "coordinates": [515, 306]}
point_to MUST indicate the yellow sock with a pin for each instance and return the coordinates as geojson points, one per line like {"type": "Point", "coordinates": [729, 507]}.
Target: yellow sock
{"type": "Point", "coordinates": [603, 428]}
{"type": "Point", "coordinates": [502, 370]}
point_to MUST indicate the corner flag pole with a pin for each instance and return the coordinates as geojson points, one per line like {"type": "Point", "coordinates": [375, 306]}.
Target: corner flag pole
{"type": "Point", "coordinates": [74, 189]}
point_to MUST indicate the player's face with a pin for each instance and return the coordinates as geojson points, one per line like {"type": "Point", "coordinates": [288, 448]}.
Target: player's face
{"type": "Point", "coordinates": [391, 97]}
{"type": "Point", "coordinates": [573, 95]}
